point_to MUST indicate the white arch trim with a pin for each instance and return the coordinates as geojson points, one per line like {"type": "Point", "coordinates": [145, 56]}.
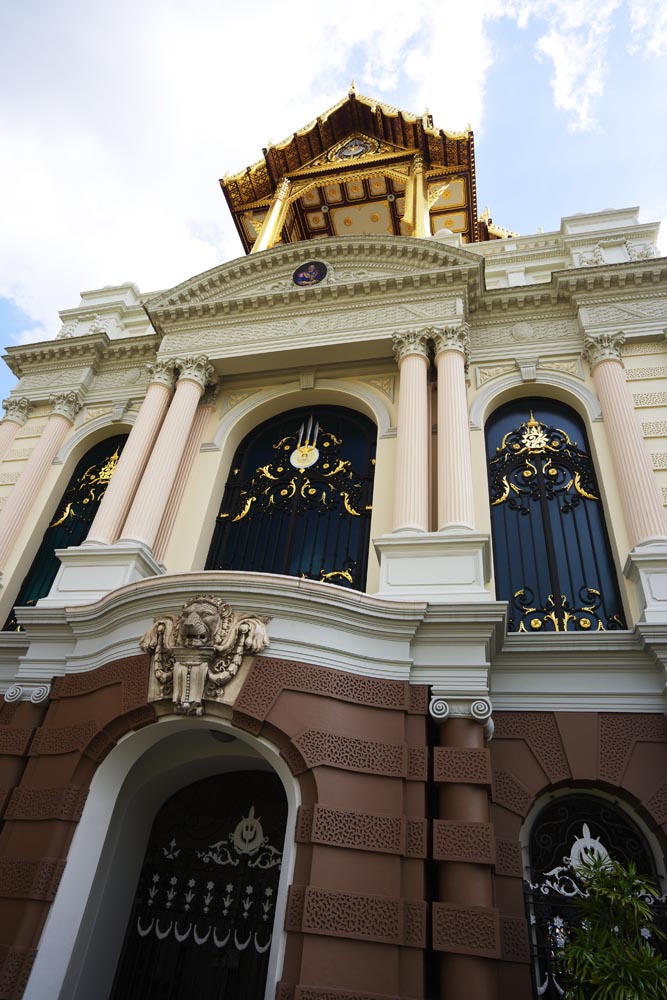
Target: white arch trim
{"type": "Point", "coordinates": [352, 390]}
{"type": "Point", "coordinates": [485, 398]}
{"type": "Point", "coordinates": [89, 428]}
{"type": "Point", "coordinates": [84, 932]}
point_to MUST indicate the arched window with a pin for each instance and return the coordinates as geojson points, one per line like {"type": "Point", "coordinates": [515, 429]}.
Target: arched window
{"type": "Point", "coordinates": [550, 546]}
{"type": "Point", "coordinates": [72, 520]}
{"type": "Point", "coordinates": [569, 829]}
{"type": "Point", "coordinates": [298, 499]}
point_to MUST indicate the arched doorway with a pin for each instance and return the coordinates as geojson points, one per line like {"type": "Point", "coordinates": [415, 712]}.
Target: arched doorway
{"type": "Point", "coordinates": [202, 919]}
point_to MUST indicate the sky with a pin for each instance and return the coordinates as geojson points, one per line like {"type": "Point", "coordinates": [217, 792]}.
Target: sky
{"type": "Point", "coordinates": [117, 117]}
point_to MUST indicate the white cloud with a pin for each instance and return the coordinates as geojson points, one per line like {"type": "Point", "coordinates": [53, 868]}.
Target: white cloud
{"type": "Point", "coordinates": [648, 27]}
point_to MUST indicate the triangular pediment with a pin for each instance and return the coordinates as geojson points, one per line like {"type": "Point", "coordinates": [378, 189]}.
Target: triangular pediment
{"type": "Point", "coordinates": [343, 266]}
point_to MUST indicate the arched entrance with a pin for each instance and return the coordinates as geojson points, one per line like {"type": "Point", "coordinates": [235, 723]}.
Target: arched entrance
{"type": "Point", "coordinates": [202, 919]}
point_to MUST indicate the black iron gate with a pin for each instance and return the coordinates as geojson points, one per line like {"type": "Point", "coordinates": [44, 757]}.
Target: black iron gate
{"type": "Point", "coordinates": [202, 920]}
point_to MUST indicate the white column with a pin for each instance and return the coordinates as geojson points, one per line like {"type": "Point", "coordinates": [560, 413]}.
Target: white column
{"type": "Point", "coordinates": [412, 479]}
{"type": "Point", "coordinates": [16, 414]}
{"type": "Point", "coordinates": [152, 496]}
{"type": "Point", "coordinates": [641, 501]}
{"type": "Point", "coordinates": [19, 505]}
{"type": "Point", "coordinates": [123, 484]}
{"type": "Point", "coordinates": [455, 492]}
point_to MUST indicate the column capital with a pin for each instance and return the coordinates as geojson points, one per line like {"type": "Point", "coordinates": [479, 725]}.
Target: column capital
{"type": "Point", "coordinates": [66, 404]}
{"type": "Point", "coordinates": [418, 161]}
{"type": "Point", "coordinates": [603, 347]}
{"type": "Point", "coordinates": [196, 368]}
{"type": "Point", "coordinates": [451, 338]}
{"type": "Point", "coordinates": [17, 409]}
{"type": "Point", "coordinates": [443, 706]}
{"type": "Point", "coordinates": [163, 372]}
{"type": "Point", "coordinates": [410, 342]}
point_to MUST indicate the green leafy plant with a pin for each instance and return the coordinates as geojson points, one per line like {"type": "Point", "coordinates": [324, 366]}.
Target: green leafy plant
{"type": "Point", "coordinates": [612, 954]}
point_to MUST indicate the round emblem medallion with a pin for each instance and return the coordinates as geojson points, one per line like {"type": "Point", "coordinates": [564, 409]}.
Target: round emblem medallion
{"type": "Point", "coordinates": [310, 273]}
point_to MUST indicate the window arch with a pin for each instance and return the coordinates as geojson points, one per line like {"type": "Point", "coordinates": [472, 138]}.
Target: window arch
{"type": "Point", "coordinates": [298, 499]}
{"type": "Point", "coordinates": [551, 550]}
{"type": "Point", "coordinates": [71, 522]}
{"type": "Point", "coordinates": [569, 828]}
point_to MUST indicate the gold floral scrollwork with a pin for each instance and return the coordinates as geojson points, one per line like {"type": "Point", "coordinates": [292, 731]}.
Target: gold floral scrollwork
{"type": "Point", "coordinates": [195, 654]}
{"type": "Point", "coordinates": [562, 615]}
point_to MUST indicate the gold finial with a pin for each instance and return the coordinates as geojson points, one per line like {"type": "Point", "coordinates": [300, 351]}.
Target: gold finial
{"type": "Point", "coordinates": [353, 89]}
{"type": "Point", "coordinates": [532, 422]}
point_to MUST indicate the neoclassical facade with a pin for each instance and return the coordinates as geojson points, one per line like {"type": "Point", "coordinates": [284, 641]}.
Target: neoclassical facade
{"type": "Point", "coordinates": [334, 591]}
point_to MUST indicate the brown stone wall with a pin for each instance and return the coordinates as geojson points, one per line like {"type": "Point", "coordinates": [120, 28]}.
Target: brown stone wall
{"type": "Point", "coordinates": [533, 751]}
{"type": "Point", "coordinates": [48, 755]}
{"type": "Point", "coordinates": [356, 913]}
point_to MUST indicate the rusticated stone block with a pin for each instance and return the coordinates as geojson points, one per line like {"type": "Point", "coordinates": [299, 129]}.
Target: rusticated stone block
{"type": "Point", "coordinates": [15, 967]}
{"type": "Point", "coordinates": [514, 939]}
{"type": "Point", "coordinates": [418, 699]}
{"type": "Point", "coordinates": [284, 991]}
{"type": "Point", "coordinates": [314, 993]}
{"type": "Point", "coordinates": [294, 759]}
{"type": "Point", "coordinates": [247, 723]}
{"type": "Point", "coordinates": [466, 930]}
{"type": "Point", "coordinates": [657, 804]}
{"type": "Point", "coordinates": [458, 841]}
{"type": "Point", "coordinates": [361, 917]}
{"type": "Point", "coordinates": [417, 763]}
{"type": "Point", "coordinates": [268, 677]}
{"type": "Point", "coordinates": [63, 739]}
{"type": "Point", "coordinates": [618, 734]}
{"type": "Point", "coordinates": [462, 764]}
{"type": "Point", "coordinates": [361, 831]}
{"type": "Point", "coordinates": [353, 754]}
{"type": "Point", "coordinates": [24, 879]}
{"type": "Point", "coordinates": [415, 838]}
{"type": "Point", "coordinates": [508, 858]}
{"type": "Point", "coordinates": [100, 745]}
{"type": "Point", "coordinates": [47, 803]}
{"type": "Point", "coordinates": [14, 742]}
{"type": "Point", "coordinates": [540, 732]}
{"type": "Point", "coordinates": [131, 673]}
{"type": "Point", "coordinates": [510, 793]}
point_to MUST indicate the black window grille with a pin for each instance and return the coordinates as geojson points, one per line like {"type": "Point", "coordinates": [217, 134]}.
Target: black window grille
{"type": "Point", "coordinates": [71, 522]}
{"type": "Point", "coordinates": [551, 551]}
{"type": "Point", "coordinates": [298, 499]}
{"type": "Point", "coordinates": [202, 920]}
{"type": "Point", "coordinates": [569, 829]}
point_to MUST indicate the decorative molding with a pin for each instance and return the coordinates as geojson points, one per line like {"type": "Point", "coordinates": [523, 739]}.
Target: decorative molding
{"type": "Point", "coordinates": [486, 397]}
{"type": "Point", "coordinates": [17, 409]}
{"type": "Point", "coordinates": [66, 404]}
{"type": "Point", "coordinates": [603, 347]}
{"type": "Point", "coordinates": [195, 654]}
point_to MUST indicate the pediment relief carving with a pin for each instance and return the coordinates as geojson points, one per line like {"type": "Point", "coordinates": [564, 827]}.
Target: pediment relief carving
{"type": "Point", "coordinates": [197, 653]}
{"type": "Point", "coordinates": [348, 260]}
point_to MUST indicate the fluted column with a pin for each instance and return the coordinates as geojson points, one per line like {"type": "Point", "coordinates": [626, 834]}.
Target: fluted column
{"type": "Point", "coordinates": [272, 224]}
{"type": "Point", "coordinates": [455, 493]}
{"type": "Point", "coordinates": [19, 505]}
{"type": "Point", "coordinates": [411, 476]}
{"type": "Point", "coordinates": [464, 874]}
{"type": "Point", "coordinates": [152, 496]}
{"type": "Point", "coordinates": [642, 505]}
{"type": "Point", "coordinates": [16, 414]}
{"type": "Point", "coordinates": [123, 484]}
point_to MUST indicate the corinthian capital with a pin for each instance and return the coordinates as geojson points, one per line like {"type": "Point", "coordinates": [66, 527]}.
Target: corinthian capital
{"type": "Point", "coordinates": [196, 368]}
{"type": "Point", "coordinates": [163, 372]}
{"type": "Point", "coordinates": [66, 404]}
{"type": "Point", "coordinates": [451, 338]}
{"type": "Point", "coordinates": [603, 347]}
{"type": "Point", "coordinates": [410, 342]}
{"type": "Point", "coordinates": [17, 409]}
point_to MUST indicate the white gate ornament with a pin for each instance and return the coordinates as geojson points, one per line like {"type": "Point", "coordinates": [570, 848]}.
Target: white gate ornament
{"type": "Point", "coordinates": [195, 654]}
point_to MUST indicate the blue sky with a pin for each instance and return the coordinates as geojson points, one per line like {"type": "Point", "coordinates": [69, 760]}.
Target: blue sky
{"type": "Point", "coordinates": [117, 118]}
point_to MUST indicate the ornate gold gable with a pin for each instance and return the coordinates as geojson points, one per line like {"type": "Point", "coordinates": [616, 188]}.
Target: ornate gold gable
{"type": "Point", "coordinates": [362, 168]}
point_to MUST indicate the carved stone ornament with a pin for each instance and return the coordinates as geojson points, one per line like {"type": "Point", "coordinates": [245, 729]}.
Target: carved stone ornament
{"type": "Point", "coordinates": [478, 709]}
{"type": "Point", "coordinates": [640, 251]}
{"type": "Point", "coordinates": [67, 404]}
{"type": "Point", "coordinates": [603, 347]}
{"type": "Point", "coordinates": [196, 368]}
{"type": "Point", "coordinates": [593, 258]}
{"type": "Point", "coordinates": [195, 654]}
{"type": "Point", "coordinates": [163, 372]}
{"type": "Point", "coordinates": [410, 342]}
{"type": "Point", "coordinates": [451, 338]}
{"type": "Point", "coordinates": [17, 409]}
